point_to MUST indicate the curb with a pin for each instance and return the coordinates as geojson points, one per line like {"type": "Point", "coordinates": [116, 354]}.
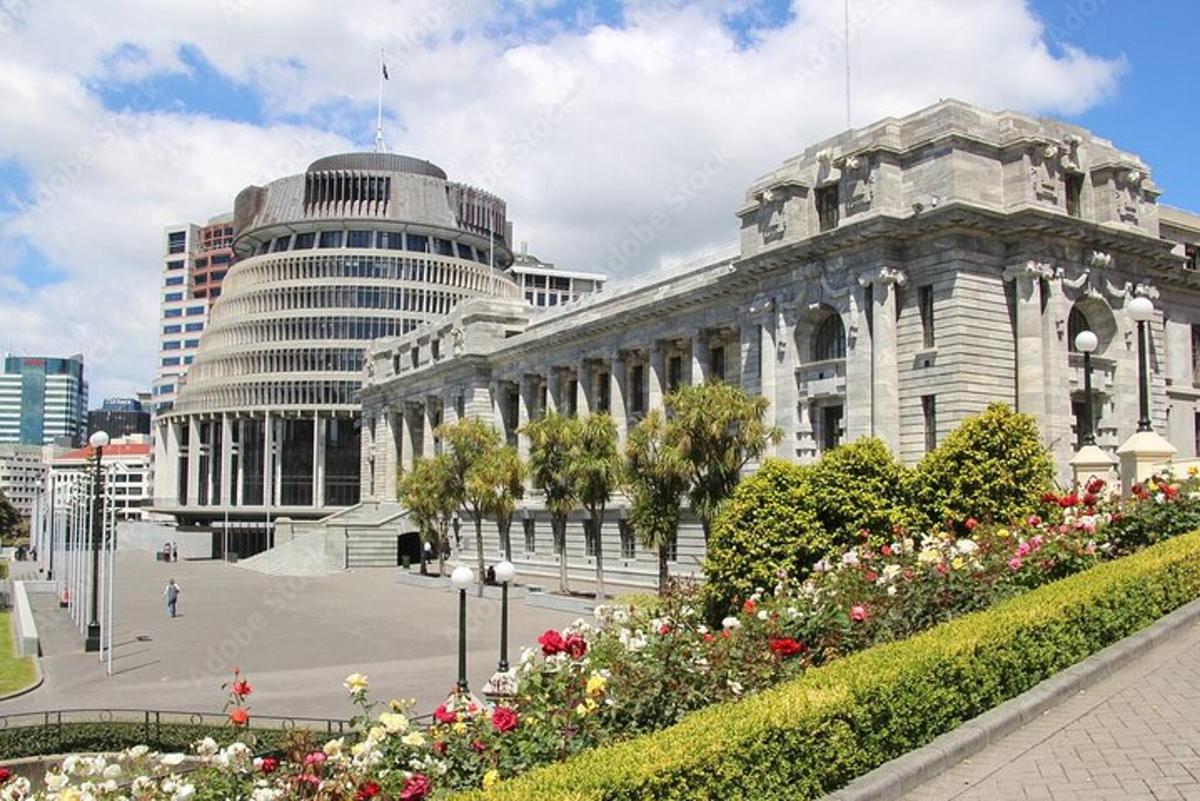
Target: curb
{"type": "Point", "coordinates": [38, 679]}
{"type": "Point", "coordinates": [893, 779]}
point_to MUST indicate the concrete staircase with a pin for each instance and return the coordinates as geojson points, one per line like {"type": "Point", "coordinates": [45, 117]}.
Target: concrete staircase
{"type": "Point", "coordinates": [361, 536]}
{"type": "Point", "coordinates": [304, 555]}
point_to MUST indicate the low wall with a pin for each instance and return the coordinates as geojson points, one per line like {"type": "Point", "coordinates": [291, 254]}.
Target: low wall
{"type": "Point", "coordinates": [25, 633]}
{"type": "Point", "coordinates": [141, 535]}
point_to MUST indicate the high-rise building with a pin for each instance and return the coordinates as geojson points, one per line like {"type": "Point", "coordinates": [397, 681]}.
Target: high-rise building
{"type": "Point", "coordinates": [23, 470]}
{"type": "Point", "coordinates": [43, 399]}
{"type": "Point", "coordinates": [120, 417]}
{"type": "Point", "coordinates": [196, 258]}
{"type": "Point", "coordinates": [544, 285]}
{"type": "Point", "coordinates": [359, 246]}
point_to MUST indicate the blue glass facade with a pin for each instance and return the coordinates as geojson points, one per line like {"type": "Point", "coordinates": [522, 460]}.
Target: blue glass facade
{"type": "Point", "coordinates": [50, 397]}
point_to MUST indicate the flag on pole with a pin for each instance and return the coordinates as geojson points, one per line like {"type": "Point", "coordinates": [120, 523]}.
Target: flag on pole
{"type": "Point", "coordinates": [385, 72]}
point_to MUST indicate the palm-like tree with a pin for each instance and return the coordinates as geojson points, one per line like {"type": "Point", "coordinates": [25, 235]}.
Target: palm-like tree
{"type": "Point", "coordinates": [496, 483]}
{"type": "Point", "coordinates": [596, 470]}
{"type": "Point", "coordinates": [426, 493]}
{"type": "Point", "coordinates": [552, 440]}
{"type": "Point", "coordinates": [656, 478]}
{"type": "Point", "coordinates": [469, 445]}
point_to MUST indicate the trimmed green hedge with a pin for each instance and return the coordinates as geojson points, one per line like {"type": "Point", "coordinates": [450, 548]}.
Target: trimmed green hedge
{"type": "Point", "coordinates": [814, 734]}
{"type": "Point", "coordinates": [116, 735]}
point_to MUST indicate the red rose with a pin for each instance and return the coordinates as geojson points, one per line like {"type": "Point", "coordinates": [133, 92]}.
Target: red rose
{"type": "Point", "coordinates": [478, 747]}
{"type": "Point", "coordinates": [664, 629]}
{"type": "Point", "coordinates": [1067, 501]}
{"type": "Point", "coordinates": [941, 568]}
{"type": "Point", "coordinates": [367, 790]}
{"type": "Point", "coordinates": [871, 575]}
{"type": "Point", "coordinates": [504, 719]}
{"type": "Point", "coordinates": [269, 765]}
{"type": "Point", "coordinates": [708, 637]}
{"type": "Point", "coordinates": [786, 646]}
{"type": "Point", "coordinates": [439, 746]}
{"type": "Point", "coordinates": [575, 645]}
{"type": "Point", "coordinates": [416, 788]}
{"type": "Point", "coordinates": [239, 716]}
{"type": "Point", "coordinates": [552, 642]}
{"type": "Point", "coordinates": [1090, 499]}
{"type": "Point", "coordinates": [242, 688]}
{"type": "Point", "coordinates": [1049, 497]}
{"type": "Point", "coordinates": [749, 607]}
{"type": "Point", "coordinates": [5, 775]}
{"type": "Point", "coordinates": [443, 715]}
{"type": "Point", "coordinates": [1095, 486]}
{"type": "Point", "coordinates": [886, 550]}
{"type": "Point", "coordinates": [971, 523]}
{"type": "Point", "coordinates": [859, 613]}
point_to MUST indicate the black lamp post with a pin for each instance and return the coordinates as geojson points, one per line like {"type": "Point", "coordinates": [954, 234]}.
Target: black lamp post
{"type": "Point", "coordinates": [461, 579]}
{"type": "Point", "coordinates": [505, 572]}
{"type": "Point", "coordinates": [98, 440]}
{"type": "Point", "coordinates": [1141, 311]}
{"type": "Point", "coordinates": [1086, 342]}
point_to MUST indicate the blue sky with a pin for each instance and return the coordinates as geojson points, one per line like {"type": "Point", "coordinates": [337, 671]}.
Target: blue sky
{"type": "Point", "coordinates": [119, 117]}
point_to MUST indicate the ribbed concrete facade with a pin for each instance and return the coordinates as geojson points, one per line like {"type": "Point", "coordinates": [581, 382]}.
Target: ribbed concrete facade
{"type": "Point", "coordinates": [360, 246]}
{"type": "Point", "coordinates": [890, 281]}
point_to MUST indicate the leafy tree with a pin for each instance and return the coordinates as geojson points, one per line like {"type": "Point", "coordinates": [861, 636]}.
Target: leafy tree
{"type": "Point", "coordinates": [10, 520]}
{"type": "Point", "coordinates": [717, 429]}
{"type": "Point", "coordinates": [860, 486]}
{"type": "Point", "coordinates": [595, 469]}
{"type": "Point", "coordinates": [993, 467]}
{"type": "Point", "coordinates": [552, 440]}
{"type": "Point", "coordinates": [426, 493]}
{"type": "Point", "coordinates": [497, 482]}
{"type": "Point", "coordinates": [469, 445]}
{"type": "Point", "coordinates": [656, 477]}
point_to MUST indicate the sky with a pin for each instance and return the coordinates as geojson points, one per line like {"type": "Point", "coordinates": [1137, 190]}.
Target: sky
{"type": "Point", "coordinates": [622, 134]}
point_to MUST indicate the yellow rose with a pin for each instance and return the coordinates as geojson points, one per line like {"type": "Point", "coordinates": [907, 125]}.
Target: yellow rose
{"type": "Point", "coordinates": [581, 711]}
{"type": "Point", "coordinates": [490, 778]}
{"type": "Point", "coordinates": [958, 563]}
{"type": "Point", "coordinates": [460, 728]}
{"type": "Point", "coordinates": [355, 683]}
{"type": "Point", "coordinates": [393, 722]}
{"type": "Point", "coordinates": [595, 684]}
{"type": "Point", "coordinates": [413, 738]}
{"type": "Point", "coordinates": [1002, 533]}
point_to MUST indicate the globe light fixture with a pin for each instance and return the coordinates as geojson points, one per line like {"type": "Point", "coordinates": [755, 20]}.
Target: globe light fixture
{"type": "Point", "coordinates": [462, 578]}
{"type": "Point", "coordinates": [1141, 311]}
{"type": "Point", "coordinates": [98, 440]}
{"type": "Point", "coordinates": [505, 572]}
{"type": "Point", "coordinates": [1086, 343]}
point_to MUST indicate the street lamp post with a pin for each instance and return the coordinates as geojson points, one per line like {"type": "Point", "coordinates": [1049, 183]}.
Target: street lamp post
{"type": "Point", "coordinates": [1141, 311]}
{"type": "Point", "coordinates": [1086, 343]}
{"type": "Point", "coordinates": [98, 440]}
{"type": "Point", "coordinates": [505, 572]}
{"type": "Point", "coordinates": [462, 578]}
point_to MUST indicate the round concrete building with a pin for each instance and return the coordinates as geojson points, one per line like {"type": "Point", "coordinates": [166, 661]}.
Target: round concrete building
{"type": "Point", "coordinates": [359, 246]}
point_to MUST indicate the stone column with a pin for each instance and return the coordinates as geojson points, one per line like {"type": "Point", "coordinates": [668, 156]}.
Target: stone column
{"type": "Point", "coordinates": [749, 364]}
{"type": "Point", "coordinates": [766, 370]}
{"type": "Point", "coordinates": [428, 424]}
{"type": "Point", "coordinates": [583, 389]}
{"type": "Point", "coordinates": [525, 389]}
{"type": "Point", "coordinates": [193, 460]}
{"type": "Point", "coordinates": [407, 445]}
{"type": "Point", "coordinates": [267, 465]}
{"type": "Point", "coordinates": [699, 357]}
{"type": "Point", "coordinates": [319, 426]}
{"type": "Point", "coordinates": [241, 463]}
{"type": "Point", "coordinates": [885, 375]}
{"type": "Point", "coordinates": [618, 378]}
{"type": "Point", "coordinates": [859, 347]}
{"type": "Point", "coordinates": [1030, 338]}
{"type": "Point", "coordinates": [553, 379]}
{"type": "Point", "coordinates": [496, 389]}
{"type": "Point", "coordinates": [226, 458]}
{"type": "Point", "coordinates": [656, 377]}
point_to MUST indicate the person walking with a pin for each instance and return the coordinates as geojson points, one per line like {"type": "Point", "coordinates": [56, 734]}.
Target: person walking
{"type": "Point", "coordinates": [171, 593]}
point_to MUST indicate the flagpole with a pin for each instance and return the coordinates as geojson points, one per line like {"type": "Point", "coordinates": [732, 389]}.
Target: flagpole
{"type": "Point", "coordinates": [379, 146]}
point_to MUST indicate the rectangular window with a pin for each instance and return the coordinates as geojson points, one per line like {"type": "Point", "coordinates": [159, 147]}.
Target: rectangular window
{"type": "Point", "coordinates": [674, 373]}
{"type": "Point", "coordinates": [170, 361]}
{"type": "Point", "coordinates": [464, 251]}
{"type": "Point", "coordinates": [589, 538]}
{"type": "Point", "coordinates": [305, 241]}
{"type": "Point", "coordinates": [175, 265]}
{"type": "Point", "coordinates": [220, 258]}
{"type": "Point", "coordinates": [191, 343]}
{"type": "Point", "coordinates": [172, 297]}
{"type": "Point", "coordinates": [1192, 254]}
{"type": "Point", "coordinates": [358, 239]}
{"type": "Point", "coordinates": [716, 363]}
{"type": "Point", "coordinates": [460, 406]}
{"type": "Point", "coordinates": [174, 280]}
{"type": "Point", "coordinates": [173, 313]}
{"type": "Point", "coordinates": [194, 327]}
{"type": "Point", "coordinates": [192, 311]}
{"type": "Point", "coordinates": [331, 239]}
{"type": "Point", "coordinates": [443, 247]}
{"type": "Point", "coordinates": [281, 243]}
{"type": "Point", "coordinates": [573, 397]}
{"type": "Point", "coordinates": [530, 536]}
{"type": "Point", "coordinates": [217, 276]}
{"type": "Point", "coordinates": [603, 394]}
{"type": "Point", "coordinates": [176, 241]}
{"type": "Point", "coordinates": [1195, 353]}
{"type": "Point", "coordinates": [201, 264]}
{"type": "Point", "coordinates": [929, 412]}
{"type": "Point", "coordinates": [172, 329]}
{"type": "Point", "coordinates": [628, 544]}
{"type": "Point", "coordinates": [389, 241]}
{"type": "Point", "coordinates": [827, 207]}
{"type": "Point", "coordinates": [188, 359]}
{"type": "Point", "coordinates": [831, 427]}
{"type": "Point", "coordinates": [171, 345]}
{"type": "Point", "coordinates": [637, 389]}
{"type": "Point", "coordinates": [1074, 194]}
{"type": "Point", "coordinates": [925, 301]}
{"type": "Point", "coordinates": [418, 243]}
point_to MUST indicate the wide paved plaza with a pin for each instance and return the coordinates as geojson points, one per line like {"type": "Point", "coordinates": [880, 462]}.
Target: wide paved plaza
{"type": "Point", "coordinates": [295, 638]}
{"type": "Point", "coordinates": [1134, 736]}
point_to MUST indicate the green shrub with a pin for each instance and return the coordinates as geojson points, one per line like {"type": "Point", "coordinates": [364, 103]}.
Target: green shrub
{"type": "Point", "coordinates": [768, 524]}
{"type": "Point", "coordinates": [3, 570]}
{"type": "Point", "coordinates": [812, 735]}
{"type": "Point", "coordinates": [860, 486]}
{"type": "Point", "coordinates": [993, 467]}
{"type": "Point", "coordinates": [17, 741]}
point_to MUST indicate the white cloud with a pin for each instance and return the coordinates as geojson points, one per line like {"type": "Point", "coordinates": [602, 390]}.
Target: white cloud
{"type": "Point", "coordinates": [616, 147]}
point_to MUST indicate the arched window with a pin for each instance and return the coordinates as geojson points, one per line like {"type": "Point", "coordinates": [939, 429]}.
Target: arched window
{"type": "Point", "coordinates": [829, 340]}
{"type": "Point", "coordinates": [1076, 321]}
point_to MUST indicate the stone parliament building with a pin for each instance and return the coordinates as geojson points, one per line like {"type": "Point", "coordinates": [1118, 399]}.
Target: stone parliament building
{"type": "Point", "coordinates": [890, 281]}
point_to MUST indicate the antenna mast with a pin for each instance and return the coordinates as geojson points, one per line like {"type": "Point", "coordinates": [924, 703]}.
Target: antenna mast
{"type": "Point", "coordinates": [846, 38]}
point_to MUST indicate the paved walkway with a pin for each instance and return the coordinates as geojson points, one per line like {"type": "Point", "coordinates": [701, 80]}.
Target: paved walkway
{"type": "Point", "coordinates": [1135, 735]}
{"type": "Point", "coordinates": [295, 638]}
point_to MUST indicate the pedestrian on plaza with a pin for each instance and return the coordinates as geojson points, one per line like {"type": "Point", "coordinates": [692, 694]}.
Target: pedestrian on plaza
{"type": "Point", "coordinates": [171, 593]}
{"type": "Point", "coordinates": [174, 552]}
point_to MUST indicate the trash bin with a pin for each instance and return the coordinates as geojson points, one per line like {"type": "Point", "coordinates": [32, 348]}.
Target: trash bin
{"type": "Point", "coordinates": [405, 561]}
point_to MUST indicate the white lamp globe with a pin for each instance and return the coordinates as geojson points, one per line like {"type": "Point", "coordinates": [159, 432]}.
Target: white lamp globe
{"type": "Point", "coordinates": [1086, 342]}
{"type": "Point", "coordinates": [505, 572]}
{"type": "Point", "coordinates": [98, 439]}
{"type": "Point", "coordinates": [1140, 309]}
{"type": "Point", "coordinates": [462, 577]}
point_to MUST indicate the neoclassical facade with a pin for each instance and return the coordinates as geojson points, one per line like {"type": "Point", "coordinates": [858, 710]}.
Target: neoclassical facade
{"type": "Point", "coordinates": [358, 247]}
{"type": "Point", "coordinates": [890, 281]}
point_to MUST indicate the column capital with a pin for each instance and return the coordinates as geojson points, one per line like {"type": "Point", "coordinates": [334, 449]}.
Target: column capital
{"type": "Point", "coordinates": [883, 276]}
{"type": "Point", "coordinates": [1030, 268]}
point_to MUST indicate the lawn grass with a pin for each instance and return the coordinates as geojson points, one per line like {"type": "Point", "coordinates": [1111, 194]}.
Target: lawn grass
{"type": "Point", "coordinates": [16, 672]}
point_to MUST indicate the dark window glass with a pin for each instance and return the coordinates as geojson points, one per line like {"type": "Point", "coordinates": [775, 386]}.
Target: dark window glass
{"type": "Point", "coordinates": [201, 264]}
{"type": "Point", "coordinates": [390, 241]}
{"type": "Point", "coordinates": [193, 327]}
{"type": "Point", "coordinates": [674, 373]}
{"type": "Point", "coordinates": [589, 538]}
{"type": "Point", "coordinates": [281, 243]}
{"type": "Point", "coordinates": [418, 243]}
{"type": "Point", "coordinates": [175, 265]}
{"type": "Point", "coordinates": [925, 301]}
{"type": "Point", "coordinates": [637, 389]}
{"type": "Point", "coordinates": [829, 340]}
{"type": "Point", "coordinates": [192, 311]}
{"type": "Point", "coordinates": [530, 536]}
{"type": "Point", "coordinates": [358, 239]}
{"type": "Point", "coordinates": [716, 363]}
{"type": "Point", "coordinates": [1074, 194]}
{"type": "Point", "coordinates": [173, 313]}
{"type": "Point", "coordinates": [603, 395]}
{"type": "Point", "coordinates": [171, 329]}
{"type": "Point", "coordinates": [305, 241]}
{"type": "Point", "coordinates": [443, 247]}
{"type": "Point", "coordinates": [331, 239]}
{"type": "Point", "coordinates": [628, 543]}
{"type": "Point", "coordinates": [827, 207]}
{"type": "Point", "coordinates": [464, 251]}
{"type": "Point", "coordinates": [929, 411]}
{"type": "Point", "coordinates": [176, 241]}
{"type": "Point", "coordinates": [831, 427]}
{"type": "Point", "coordinates": [221, 258]}
{"type": "Point", "coordinates": [174, 280]}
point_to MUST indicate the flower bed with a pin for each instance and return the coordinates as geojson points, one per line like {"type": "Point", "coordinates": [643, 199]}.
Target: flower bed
{"type": "Point", "coordinates": [641, 669]}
